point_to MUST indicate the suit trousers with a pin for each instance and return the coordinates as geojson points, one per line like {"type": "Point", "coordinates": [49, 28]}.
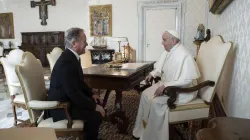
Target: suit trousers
{"type": "Point", "coordinates": [92, 121]}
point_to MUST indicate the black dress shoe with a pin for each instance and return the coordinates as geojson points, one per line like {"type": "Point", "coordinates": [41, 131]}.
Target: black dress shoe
{"type": "Point", "coordinates": [135, 138]}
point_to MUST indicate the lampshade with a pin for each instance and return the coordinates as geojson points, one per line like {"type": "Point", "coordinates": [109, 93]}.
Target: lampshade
{"type": "Point", "coordinates": [120, 39]}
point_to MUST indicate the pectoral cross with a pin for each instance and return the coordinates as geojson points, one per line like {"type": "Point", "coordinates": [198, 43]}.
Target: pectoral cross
{"type": "Point", "coordinates": [43, 9]}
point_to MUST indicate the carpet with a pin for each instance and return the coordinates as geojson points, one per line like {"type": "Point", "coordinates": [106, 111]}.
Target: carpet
{"type": "Point", "coordinates": [130, 105]}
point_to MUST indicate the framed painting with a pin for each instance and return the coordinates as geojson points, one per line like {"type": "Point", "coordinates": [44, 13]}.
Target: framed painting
{"type": "Point", "coordinates": [100, 20]}
{"type": "Point", "coordinates": [218, 6]}
{"type": "Point", "coordinates": [6, 26]}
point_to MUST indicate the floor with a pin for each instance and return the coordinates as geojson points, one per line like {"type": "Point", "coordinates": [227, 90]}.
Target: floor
{"type": "Point", "coordinates": [6, 115]}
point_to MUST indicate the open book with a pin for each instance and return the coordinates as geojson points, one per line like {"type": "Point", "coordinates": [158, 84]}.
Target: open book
{"type": "Point", "coordinates": [132, 66]}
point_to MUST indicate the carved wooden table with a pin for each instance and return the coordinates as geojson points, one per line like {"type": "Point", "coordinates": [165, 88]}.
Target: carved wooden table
{"type": "Point", "coordinates": [223, 128]}
{"type": "Point", "coordinates": [101, 77]}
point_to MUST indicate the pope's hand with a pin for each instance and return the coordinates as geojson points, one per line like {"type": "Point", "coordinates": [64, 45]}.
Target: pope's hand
{"type": "Point", "coordinates": [159, 91]}
{"type": "Point", "coordinates": [148, 79]}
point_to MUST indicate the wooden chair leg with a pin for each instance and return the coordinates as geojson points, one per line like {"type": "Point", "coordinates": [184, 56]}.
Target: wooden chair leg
{"type": "Point", "coordinates": [14, 114]}
{"type": "Point", "coordinates": [12, 97]}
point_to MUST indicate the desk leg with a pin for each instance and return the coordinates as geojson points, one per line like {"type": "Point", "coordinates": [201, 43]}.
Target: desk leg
{"type": "Point", "coordinates": [119, 116]}
{"type": "Point", "coordinates": [106, 98]}
{"type": "Point", "coordinates": [118, 100]}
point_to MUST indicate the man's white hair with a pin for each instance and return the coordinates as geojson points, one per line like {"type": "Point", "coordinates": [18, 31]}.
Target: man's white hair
{"type": "Point", "coordinates": [71, 35]}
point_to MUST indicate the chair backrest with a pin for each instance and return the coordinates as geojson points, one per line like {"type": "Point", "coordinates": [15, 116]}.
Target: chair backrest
{"type": "Point", "coordinates": [31, 77]}
{"type": "Point", "coordinates": [9, 63]}
{"type": "Point", "coordinates": [53, 56]}
{"type": "Point", "coordinates": [1, 51]}
{"type": "Point", "coordinates": [86, 59]}
{"type": "Point", "coordinates": [210, 60]}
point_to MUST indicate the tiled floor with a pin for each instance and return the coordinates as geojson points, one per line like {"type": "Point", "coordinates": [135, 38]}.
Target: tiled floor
{"type": "Point", "coordinates": [6, 115]}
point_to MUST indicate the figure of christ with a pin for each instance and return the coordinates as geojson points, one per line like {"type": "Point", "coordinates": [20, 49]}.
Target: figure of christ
{"type": "Point", "coordinates": [43, 9]}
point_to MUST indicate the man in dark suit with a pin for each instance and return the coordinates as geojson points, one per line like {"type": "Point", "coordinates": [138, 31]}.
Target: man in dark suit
{"type": "Point", "coordinates": [67, 85]}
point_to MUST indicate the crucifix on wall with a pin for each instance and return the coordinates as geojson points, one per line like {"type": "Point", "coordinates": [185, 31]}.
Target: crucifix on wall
{"type": "Point", "coordinates": [43, 9]}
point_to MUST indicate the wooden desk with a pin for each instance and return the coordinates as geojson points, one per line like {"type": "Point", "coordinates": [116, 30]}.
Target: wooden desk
{"type": "Point", "coordinates": [32, 133]}
{"type": "Point", "coordinates": [223, 128]}
{"type": "Point", "coordinates": [101, 77]}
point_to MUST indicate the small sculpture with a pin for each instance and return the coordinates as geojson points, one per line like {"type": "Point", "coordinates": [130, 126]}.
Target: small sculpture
{"type": "Point", "coordinates": [200, 32]}
{"type": "Point", "coordinates": [10, 44]}
{"type": "Point", "coordinates": [99, 43]}
{"type": "Point", "coordinates": [208, 35]}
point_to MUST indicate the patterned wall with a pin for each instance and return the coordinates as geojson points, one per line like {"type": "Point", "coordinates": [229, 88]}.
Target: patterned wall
{"type": "Point", "coordinates": [233, 25]}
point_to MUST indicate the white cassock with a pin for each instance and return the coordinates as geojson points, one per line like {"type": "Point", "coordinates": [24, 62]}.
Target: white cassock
{"type": "Point", "coordinates": [176, 68]}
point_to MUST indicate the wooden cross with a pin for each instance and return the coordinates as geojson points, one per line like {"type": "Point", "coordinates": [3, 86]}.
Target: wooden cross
{"type": "Point", "coordinates": [43, 9]}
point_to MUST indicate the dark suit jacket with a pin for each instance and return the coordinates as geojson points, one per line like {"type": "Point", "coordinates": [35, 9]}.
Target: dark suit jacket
{"type": "Point", "coordinates": [67, 85]}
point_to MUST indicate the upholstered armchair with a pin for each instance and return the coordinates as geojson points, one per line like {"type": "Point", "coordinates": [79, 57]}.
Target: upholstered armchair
{"type": "Point", "coordinates": [53, 56]}
{"type": "Point", "coordinates": [210, 60]}
{"type": "Point", "coordinates": [30, 75]}
{"type": "Point", "coordinates": [16, 95]}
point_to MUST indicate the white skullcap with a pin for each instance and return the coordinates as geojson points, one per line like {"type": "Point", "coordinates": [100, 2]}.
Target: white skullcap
{"type": "Point", "coordinates": [174, 33]}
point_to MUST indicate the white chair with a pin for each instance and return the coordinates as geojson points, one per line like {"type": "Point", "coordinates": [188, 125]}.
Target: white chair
{"type": "Point", "coordinates": [53, 56]}
{"type": "Point", "coordinates": [30, 74]}
{"type": "Point", "coordinates": [210, 60]}
{"type": "Point", "coordinates": [1, 51]}
{"type": "Point", "coordinates": [1, 55]}
{"type": "Point", "coordinates": [14, 87]}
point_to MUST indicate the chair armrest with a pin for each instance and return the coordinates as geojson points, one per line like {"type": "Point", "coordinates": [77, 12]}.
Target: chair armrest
{"type": "Point", "coordinates": [65, 106]}
{"type": "Point", "coordinates": [140, 88]}
{"type": "Point", "coordinates": [172, 91]}
{"type": "Point", "coordinates": [156, 79]}
{"type": "Point", "coordinates": [42, 105]}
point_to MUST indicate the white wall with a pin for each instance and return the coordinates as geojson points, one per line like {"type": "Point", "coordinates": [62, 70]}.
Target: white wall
{"type": "Point", "coordinates": [195, 15]}
{"type": "Point", "coordinates": [233, 25]}
{"type": "Point", "coordinates": [61, 17]}
{"type": "Point", "coordinates": [71, 13]}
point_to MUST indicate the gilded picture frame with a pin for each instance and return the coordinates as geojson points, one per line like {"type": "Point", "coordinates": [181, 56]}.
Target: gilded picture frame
{"type": "Point", "coordinates": [6, 26]}
{"type": "Point", "coordinates": [100, 20]}
{"type": "Point", "coordinates": [118, 56]}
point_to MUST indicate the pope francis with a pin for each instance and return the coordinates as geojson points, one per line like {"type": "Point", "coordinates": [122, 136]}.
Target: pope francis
{"type": "Point", "coordinates": [176, 67]}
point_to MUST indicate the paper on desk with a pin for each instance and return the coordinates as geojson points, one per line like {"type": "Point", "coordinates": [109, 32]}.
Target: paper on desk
{"type": "Point", "coordinates": [132, 66]}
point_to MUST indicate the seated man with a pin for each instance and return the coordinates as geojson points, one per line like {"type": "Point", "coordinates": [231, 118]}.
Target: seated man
{"type": "Point", "coordinates": [67, 85]}
{"type": "Point", "coordinates": [176, 67]}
